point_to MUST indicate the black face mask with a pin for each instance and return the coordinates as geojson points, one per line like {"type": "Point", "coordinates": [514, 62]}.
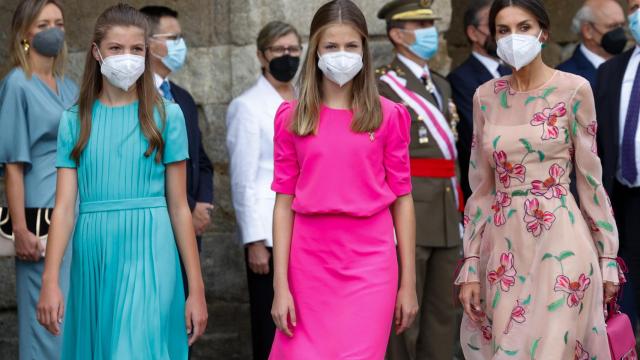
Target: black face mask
{"type": "Point", "coordinates": [614, 41]}
{"type": "Point", "coordinates": [284, 68]}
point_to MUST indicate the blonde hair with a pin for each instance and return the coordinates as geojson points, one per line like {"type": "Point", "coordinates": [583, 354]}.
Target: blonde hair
{"type": "Point", "coordinates": [148, 96]}
{"type": "Point", "coordinates": [25, 15]}
{"type": "Point", "coordinates": [366, 99]}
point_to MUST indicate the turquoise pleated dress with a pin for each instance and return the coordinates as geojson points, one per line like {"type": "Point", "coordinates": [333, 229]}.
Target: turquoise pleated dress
{"type": "Point", "coordinates": [126, 298]}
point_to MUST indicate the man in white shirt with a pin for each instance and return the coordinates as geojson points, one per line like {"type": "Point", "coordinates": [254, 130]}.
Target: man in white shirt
{"type": "Point", "coordinates": [599, 24]}
{"type": "Point", "coordinates": [617, 98]}
{"type": "Point", "coordinates": [481, 66]}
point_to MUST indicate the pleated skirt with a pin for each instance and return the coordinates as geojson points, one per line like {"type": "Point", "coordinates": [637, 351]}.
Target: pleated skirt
{"type": "Point", "coordinates": [126, 298]}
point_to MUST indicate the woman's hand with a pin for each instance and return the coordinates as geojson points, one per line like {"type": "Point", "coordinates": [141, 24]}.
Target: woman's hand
{"type": "Point", "coordinates": [610, 291]}
{"type": "Point", "coordinates": [283, 311]}
{"type": "Point", "coordinates": [470, 299]}
{"type": "Point", "coordinates": [50, 310]}
{"type": "Point", "coordinates": [196, 316]}
{"type": "Point", "coordinates": [28, 247]}
{"type": "Point", "coordinates": [406, 308]}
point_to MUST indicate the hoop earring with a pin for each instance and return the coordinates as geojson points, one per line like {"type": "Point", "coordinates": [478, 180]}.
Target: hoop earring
{"type": "Point", "coordinates": [25, 45]}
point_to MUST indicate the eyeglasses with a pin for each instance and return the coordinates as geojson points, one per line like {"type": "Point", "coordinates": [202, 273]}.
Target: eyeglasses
{"type": "Point", "coordinates": [280, 50]}
{"type": "Point", "coordinates": [166, 36]}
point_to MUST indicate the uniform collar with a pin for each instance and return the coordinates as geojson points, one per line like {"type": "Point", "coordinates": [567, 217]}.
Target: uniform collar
{"type": "Point", "coordinates": [416, 69]}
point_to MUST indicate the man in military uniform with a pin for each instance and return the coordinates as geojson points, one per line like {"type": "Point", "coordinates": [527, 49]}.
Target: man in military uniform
{"type": "Point", "coordinates": [436, 193]}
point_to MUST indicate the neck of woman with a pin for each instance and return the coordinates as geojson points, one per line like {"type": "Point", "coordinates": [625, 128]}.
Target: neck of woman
{"type": "Point", "coordinates": [532, 76]}
{"type": "Point", "coordinates": [285, 89]}
{"type": "Point", "coordinates": [113, 96]}
{"type": "Point", "coordinates": [337, 97]}
{"type": "Point", "coordinates": [41, 65]}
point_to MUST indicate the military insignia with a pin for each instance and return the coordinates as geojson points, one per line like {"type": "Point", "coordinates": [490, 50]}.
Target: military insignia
{"type": "Point", "coordinates": [426, 3]}
{"type": "Point", "coordinates": [455, 119]}
{"type": "Point", "coordinates": [423, 134]}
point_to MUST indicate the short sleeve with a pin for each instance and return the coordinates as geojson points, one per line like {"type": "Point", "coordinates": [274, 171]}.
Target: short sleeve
{"type": "Point", "coordinates": [396, 151]}
{"type": "Point", "coordinates": [15, 145]}
{"type": "Point", "coordinates": [176, 144]}
{"type": "Point", "coordinates": [285, 159]}
{"type": "Point", "coordinates": [67, 138]}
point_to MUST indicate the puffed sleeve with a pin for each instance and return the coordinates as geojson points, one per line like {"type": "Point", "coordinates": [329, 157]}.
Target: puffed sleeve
{"type": "Point", "coordinates": [67, 138]}
{"type": "Point", "coordinates": [176, 146]}
{"type": "Point", "coordinates": [594, 201]}
{"type": "Point", "coordinates": [285, 159]}
{"type": "Point", "coordinates": [396, 151]}
{"type": "Point", "coordinates": [15, 145]}
{"type": "Point", "coordinates": [482, 182]}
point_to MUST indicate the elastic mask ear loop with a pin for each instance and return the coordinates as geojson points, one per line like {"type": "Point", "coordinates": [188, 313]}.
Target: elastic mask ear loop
{"type": "Point", "coordinates": [99, 54]}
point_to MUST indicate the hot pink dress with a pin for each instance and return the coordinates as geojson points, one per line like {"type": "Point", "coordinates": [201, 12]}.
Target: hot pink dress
{"type": "Point", "coordinates": [342, 266]}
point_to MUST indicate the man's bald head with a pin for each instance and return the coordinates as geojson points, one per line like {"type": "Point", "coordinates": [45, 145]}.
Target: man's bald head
{"type": "Point", "coordinates": [596, 18]}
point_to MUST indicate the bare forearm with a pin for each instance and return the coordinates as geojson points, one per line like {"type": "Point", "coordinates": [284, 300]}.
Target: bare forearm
{"type": "Point", "coordinates": [14, 186]}
{"type": "Point", "coordinates": [282, 231]}
{"type": "Point", "coordinates": [185, 238]}
{"type": "Point", "coordinates": [405, 226]}
{"type": "Point", "coordinates": [62, 222]}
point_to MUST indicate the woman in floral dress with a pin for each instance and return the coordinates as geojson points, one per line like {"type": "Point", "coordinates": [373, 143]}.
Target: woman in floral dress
{"type": "Point", "coordinates": [537, 268]}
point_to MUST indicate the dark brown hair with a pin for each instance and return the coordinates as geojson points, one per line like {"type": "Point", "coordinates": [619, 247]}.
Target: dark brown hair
{"type": "Point", "coordinates": [366, 100]}
{"type": "Point", "coordinates": [535, 7]}
{"type": "Point", "coordinates": [148, 96]}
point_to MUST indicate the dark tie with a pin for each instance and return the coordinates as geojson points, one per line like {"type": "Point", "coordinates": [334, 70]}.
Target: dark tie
{"type": "Point", "coordinates": [504, 70]}
{"type": "Point", "coordinates": [430, 88]}
{"type": "Point", "coordinates": [166, 90]}
{"type": "Point", "coordinates": [628, 156]}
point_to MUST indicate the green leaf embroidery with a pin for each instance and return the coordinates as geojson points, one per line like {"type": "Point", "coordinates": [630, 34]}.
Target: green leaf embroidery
{"type": "Point", "coordinates": [556, 304]}
{"type": "Point", "coordinates": [495, 142]}
{"type": "Point", "coordinates": [489, 219]}
{"type": "Point", "coordinates": [473, 347]}
{"type": "Point", "coordinates": [527, 145]}
{"type": "Point", "coordinates": [527, 301]}
{"type": "Point", "coordinates": [473, 164]}
{"type": "Point", "coordinates": [592, 181]}
{"type": "Point", "coordinates": [472, 269]}
{"type": "Point", "coordinates": [508, 243]}
{"type": "Point", "coordinates": [546, 256]}
{"type": "Point", "coordinates": [576, 106]}
{"type": "Point", "coordinates": [581, 306]}
{"type": "Point", "coordinates": [590, 271]}
{"type": "Point", "coordinates": [600, 245]}
{"type": "Point", "coordinates": [483, 107]}
{"type": "Point", "coordinates": [566, 135]}
{"type": "Point", "coordinates": [541, 155]}
{"type": "Point", "coordinates": [510, 352]}
{"type": "Point", "coordinates": [511, 213]}
{"type": "Point", "coordinates": [548, 91]}
{"type": "Point", "coordinates": [605, 225]}
{"type": "Point", "coordinates": [594, 358]}
{"type": "Point", "coordinates": [565, 254]}
{"type": "Point", "coordinates": [566, 336]}
{"type": "Point", "coordinates": [612, 264]}
{"type": "Point", "coordinates": [503, 100]}
{"type": "Point", "coordinates": [478, 215]}
{"type": "Point", "coordinates": [574, 128]}
{"type": "Point", "coordinates": [572, 218]}
{"type": "Point", "coordinates": [563, 200]}
{"type": "Point", "coordinates": [496, 299]}
{"type": "Point", "coordinates": [534, 347]}
{"type": "Point", "coordinates": [520, 193]}
{"type": "Point", "coordinates": [529, 99]}
{"type": "Point", "coordinates": [522, 279]}
{"type": "Point", "coordinates": [595, 199]}
{"type": "Point", "coordinates": [595, 330]}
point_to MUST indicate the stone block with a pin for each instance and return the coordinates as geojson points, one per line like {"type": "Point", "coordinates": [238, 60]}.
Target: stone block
{"type": "Point", "coordinates": [9, 335]}
{"type": "Point", "coordinates": [214, 132]}
{"type": "Point", "coordinates": [207, 75]}
{"type": "Point", "coordinates": [7, 286]}
{"type": "Point", "coordinates": [244, 21]}
{"type": "Point", "coordinates": [223, 268]}
{"type": "Point", "coordinates": [245, 68]}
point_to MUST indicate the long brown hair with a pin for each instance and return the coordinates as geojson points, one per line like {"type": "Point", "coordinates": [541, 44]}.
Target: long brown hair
{"type": "Point", "coordinates": [148, 96]}
{"type": "Point", "coordinates": [366, 100]}
{"type": "Point", "coordinates": [24, 16]}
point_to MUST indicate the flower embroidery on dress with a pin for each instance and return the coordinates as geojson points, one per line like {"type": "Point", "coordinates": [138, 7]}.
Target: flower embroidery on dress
{"type": "Point", "coordinates": [487, 335]}
{"type": "Point", "coordinates": [517, 315]}
{"type": "Point", "coordinates": [550, 187]}
{"type": "Point", "coordinates": [536, 218]}
{"type": "Point", "coordinates": [465, 221]}
{"type": "Point", "coordinates": [502, 200]}
{"type": "Point", "coordinates": [474, 141]}
{"type": "Point", "coordinates": [575, 289]}
{"type": "Point", "coordinates": [548, 118]}
{"type": "Point", "coordinates": [580, 353]}
{"type": "Point", "coordinates": [507, 170]}
{"type": "Point", "coordinates": [505, 273]}
{"type": "Point", "coordinates": [592, 224]}
{"type": "Point", "coordinates": [592, 130]}
{"type": "Point", "coordinates": [502, 85]}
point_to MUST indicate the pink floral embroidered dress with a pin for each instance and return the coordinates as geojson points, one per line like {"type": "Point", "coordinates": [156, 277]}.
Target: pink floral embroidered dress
{"type": "Point", "coordinates": [540, 259]}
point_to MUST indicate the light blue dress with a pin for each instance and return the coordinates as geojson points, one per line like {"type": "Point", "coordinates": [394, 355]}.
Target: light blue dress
{"type": "Point", "coordinates": [29, 116]}
{"type": "Point", "coordinates": [126, 299]}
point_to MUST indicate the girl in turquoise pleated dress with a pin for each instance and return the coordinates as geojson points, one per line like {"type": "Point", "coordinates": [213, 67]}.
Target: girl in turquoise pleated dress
{"type": "Point", "coordinates": [123, 150]}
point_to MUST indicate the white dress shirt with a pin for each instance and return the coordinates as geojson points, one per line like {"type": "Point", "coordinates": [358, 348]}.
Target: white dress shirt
{"type": "Point", "coordinates": [595, 59]}
{"type": "Point", "coordinates": [250, 122]}
{"type": "Point", "coordinates": [625, 97]}
{"type": "Point", "coordinates": [489, 63]}
{"type": "Point", "coordinates": [418, 71]}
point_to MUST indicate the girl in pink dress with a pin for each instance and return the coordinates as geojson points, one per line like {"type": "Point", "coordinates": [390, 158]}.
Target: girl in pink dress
{"type": "Point", "coordinates": [342, 182]}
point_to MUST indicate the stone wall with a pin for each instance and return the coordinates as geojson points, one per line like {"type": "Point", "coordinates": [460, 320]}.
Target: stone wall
{"type": "Point", "coordinates": [221, 64]}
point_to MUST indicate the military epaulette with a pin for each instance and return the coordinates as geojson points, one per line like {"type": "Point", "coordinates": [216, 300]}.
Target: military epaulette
{"type": "Point", "coordinates": [386, 68]}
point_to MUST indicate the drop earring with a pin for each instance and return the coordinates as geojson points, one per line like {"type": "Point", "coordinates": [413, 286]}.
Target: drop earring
{"type": "Point", "coordinates": [25, 45]}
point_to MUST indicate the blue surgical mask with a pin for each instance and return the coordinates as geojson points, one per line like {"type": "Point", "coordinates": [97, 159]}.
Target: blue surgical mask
{"type": "Point", "coordinates": [176, 54]}
{"type": "Point", "coordinates": [426, 44]}
{"type": "Point", "coordinates": [634, 25]}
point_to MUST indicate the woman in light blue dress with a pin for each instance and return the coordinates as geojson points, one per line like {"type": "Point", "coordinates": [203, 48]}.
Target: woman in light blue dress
{"type": "Point", "coordinates": [33, 95]}
{"type": "Point", "coordinates": [123, 151]}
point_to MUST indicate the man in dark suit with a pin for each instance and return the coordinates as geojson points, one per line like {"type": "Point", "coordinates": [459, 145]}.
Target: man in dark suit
{"type": "Point", "coordinates": [617, 98]}
{"type": "Point", "coordinates": [599, 24]}
{"type": "Point", "coordinates": [481, 66]}
{"type": "Point", "coordinates": [168, 54]}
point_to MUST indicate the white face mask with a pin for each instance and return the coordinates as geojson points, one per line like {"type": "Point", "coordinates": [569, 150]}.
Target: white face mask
{"type": "Point", "coordinates": [519, 50]}
{"type": "Point", "coordinates": [122, 71]}
{"type": "Point", "coordinates": [340, 67]}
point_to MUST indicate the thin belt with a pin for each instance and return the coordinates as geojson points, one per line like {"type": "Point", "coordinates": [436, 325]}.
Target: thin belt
{"type": "Point", "coordinates": [123, 204]}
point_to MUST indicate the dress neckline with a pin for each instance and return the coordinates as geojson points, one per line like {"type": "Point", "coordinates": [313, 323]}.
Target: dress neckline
{"type": "Point", "coordinates": [538, 88]}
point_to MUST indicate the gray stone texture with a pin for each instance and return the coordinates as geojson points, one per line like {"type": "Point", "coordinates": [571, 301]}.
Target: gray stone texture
{"type": "Point", "coordinates": [221, 64]}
